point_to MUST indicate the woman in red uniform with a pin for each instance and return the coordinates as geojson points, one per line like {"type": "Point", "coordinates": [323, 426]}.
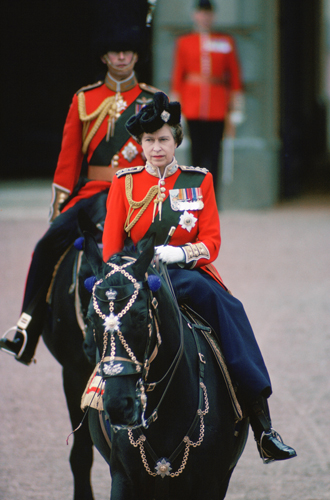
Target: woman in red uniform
{"type": "Point", "coordinates": [161, 194]}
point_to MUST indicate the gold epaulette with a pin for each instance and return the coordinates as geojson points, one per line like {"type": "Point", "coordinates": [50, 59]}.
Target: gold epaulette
{"type": "Point", "coordinates": [90, 87]}
{"type": "Point", "coordinates": [148, 88]}
{"type": "Point", "coordinates": [129, 170]}
{"type": "Point", "coordinates": [200, 170]}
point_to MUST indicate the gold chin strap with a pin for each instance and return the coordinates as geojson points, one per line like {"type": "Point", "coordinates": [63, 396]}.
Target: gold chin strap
{"type": "Point", "coordinates": [111, 106]}
{"type": "Point", "coordinates": [153, 192]}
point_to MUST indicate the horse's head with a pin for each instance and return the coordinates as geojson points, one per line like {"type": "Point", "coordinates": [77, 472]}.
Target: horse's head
{"type": "Point", "coordinates": [122, 314]}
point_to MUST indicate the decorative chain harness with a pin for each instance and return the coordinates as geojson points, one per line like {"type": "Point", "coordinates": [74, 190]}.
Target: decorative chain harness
{"type": "Point", "coordinates": [112, 322]}
{"type": "Point", "coordinates": [163, 467]}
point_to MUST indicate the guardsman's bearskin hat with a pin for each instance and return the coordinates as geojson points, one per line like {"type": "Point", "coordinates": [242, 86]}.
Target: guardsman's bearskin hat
{"type": "Point", "coordinates": [120, 25]}
{"type": "Point", "coordinates": [154, 115]}
{"type": "Point", "coordinates": [204, 5]}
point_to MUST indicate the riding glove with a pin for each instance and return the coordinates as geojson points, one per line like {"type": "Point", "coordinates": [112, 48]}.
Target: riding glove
{"type": "Point", "coordinates": [169, 254]}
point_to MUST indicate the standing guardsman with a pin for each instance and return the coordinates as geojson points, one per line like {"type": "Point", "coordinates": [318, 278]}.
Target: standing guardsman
{"type": "Point", "coordinates": [95, 130]}
{"type": "Point", "coordinates": [206, 80]}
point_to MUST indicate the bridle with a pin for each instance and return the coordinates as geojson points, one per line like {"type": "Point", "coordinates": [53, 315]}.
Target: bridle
{"type": "Point", "coordinates": [116, 366]}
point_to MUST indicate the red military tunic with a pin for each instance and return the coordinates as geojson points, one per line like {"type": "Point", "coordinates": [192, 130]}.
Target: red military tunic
{"type": "Point", "coordinates": [206, 71]}
{"type": "Point", "coordinates": [205, 228]}
{"type": "Point", "coordinates": [71, 156]}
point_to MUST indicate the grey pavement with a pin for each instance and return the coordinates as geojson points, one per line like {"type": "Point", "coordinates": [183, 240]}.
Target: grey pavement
{"type": "Point", "coordinates": [277, 261]}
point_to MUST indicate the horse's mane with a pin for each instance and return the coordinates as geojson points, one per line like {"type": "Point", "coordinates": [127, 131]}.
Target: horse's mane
{"type": "Point", "coordinates": [129, 250]}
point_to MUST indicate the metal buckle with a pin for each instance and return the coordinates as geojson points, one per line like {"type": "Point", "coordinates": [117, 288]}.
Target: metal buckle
{"type": "Point", "coordinates": [201, 358]}
{"type": "Point", "coordinates": [150, 387]}
{"type": "Point", "coordinates": [154, 303]}
{"type": "Point", "coordinates": [24, 321]}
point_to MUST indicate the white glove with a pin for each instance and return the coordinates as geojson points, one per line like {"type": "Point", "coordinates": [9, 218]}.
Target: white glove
{"type": "Point", "coordinates": [236, 117]}
{"type": "Point", "coordinates": [237, 108]}
{"type": "Point", "coordinates": [170, 255]}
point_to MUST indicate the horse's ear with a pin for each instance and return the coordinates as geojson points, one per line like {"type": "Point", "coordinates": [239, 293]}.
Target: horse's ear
{"type": "Point", "coordinates": [93, 253]}
{"type": "Point", "coordinates": [146, 248]}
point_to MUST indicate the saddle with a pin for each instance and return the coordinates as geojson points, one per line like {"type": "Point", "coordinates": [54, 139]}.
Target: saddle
{"type": "Point", "coordinates": [79, 273]}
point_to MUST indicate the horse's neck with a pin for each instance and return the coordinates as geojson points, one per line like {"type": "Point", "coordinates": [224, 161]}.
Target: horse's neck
{"type": "Point", "coordinates": [181, 385]}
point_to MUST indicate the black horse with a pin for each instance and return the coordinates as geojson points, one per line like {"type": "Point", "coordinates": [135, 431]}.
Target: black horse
{"type": "Point", "coordinates": [168, 426]}
{"type": "Point", "coordinates": [63, 335]}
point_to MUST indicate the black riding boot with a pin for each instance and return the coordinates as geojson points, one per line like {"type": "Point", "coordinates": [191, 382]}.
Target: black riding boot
{"type": "Point", "coordinates": [269, 442]}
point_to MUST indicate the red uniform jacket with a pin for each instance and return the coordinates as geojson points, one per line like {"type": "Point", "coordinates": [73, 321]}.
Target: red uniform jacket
{"type": "Point", "coordinates": [71, 156]}
{"type": "Point", "coordinates": [205, 229]}
{"type": "Point", "coordinates": [205, 72]}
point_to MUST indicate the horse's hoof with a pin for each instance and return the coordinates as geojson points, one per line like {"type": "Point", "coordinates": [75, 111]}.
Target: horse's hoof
{"type": "Point", "coordinates": [272, 448]}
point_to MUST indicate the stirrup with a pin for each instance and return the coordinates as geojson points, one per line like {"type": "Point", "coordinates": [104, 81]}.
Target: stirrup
{"type": "Point", "coordinates": [24, 334]}
{"type": "Point", "coordinates": [265, 458]}
{"type": "Point", "coordinates": [21, 326]}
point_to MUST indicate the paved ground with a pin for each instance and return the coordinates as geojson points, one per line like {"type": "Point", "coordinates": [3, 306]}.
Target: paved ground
{"type": "Point", "coordinates": [277, 262]}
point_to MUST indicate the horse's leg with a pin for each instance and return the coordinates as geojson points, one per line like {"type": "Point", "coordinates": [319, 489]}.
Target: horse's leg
{"type": "Point", "coordinates": [97, 428]}
{"type": "Point", "coordinates": [81, 457]}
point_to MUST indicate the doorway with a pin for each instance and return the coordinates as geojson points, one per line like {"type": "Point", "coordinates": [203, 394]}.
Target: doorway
{"type": "Point", "coordinates": [304, 157]}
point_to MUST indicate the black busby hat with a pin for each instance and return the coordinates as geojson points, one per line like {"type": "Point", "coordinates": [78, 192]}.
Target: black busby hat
{"type": "Point", "coordinates": [204, 5]}
{"type": "Point", "coordinates": [154, 115]}
{"type": "Point", "coordinates": [120, 25]}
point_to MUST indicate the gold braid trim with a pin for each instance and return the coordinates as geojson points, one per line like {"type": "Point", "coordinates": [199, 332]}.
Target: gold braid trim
{"type": "Point", "coordinates": [56, 267]}
{"type": "Point", "coordinates": [143, 204]}
{"type": "Point", "coordinates": [100, 113]}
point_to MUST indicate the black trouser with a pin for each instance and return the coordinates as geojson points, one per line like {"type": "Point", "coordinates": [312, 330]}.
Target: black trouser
{"type": "Point", "coordinates": [60, 235]}
{"type": "Point", "coordinates": [206, 138]}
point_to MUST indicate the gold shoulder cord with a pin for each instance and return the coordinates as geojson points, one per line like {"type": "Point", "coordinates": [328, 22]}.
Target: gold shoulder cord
{"type": "Point", "coordinates": [143, 204]}
{"type": "Point", "coordinates": [107, 106]}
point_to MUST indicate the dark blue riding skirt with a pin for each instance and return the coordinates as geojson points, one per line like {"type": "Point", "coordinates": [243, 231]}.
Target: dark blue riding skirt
{"type": "Point", "coordinates": [227, 317]}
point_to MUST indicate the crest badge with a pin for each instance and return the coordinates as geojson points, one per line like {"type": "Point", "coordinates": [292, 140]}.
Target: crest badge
{"type": "Point", "coordinates": [112, 368]}
{"type": "Point", "coordinates": [111, 323]}
{"type": "Point", "coordinates": [130, 151]}
{"type": "Point", "coordinates": [187, 221]}
{"type": "Point", "coordinates": [111, 294]}
{"type": "Point", "coordinates": [165, 116]}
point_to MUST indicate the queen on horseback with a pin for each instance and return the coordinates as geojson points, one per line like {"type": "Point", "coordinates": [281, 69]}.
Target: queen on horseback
{"type": "Point", "coordinates": [162, 195]}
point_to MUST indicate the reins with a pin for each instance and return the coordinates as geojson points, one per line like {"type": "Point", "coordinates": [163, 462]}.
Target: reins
{"type": "Point", "coordinates": [163, 466]}
{"type": "Point", "coordinates": [175, 363]}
